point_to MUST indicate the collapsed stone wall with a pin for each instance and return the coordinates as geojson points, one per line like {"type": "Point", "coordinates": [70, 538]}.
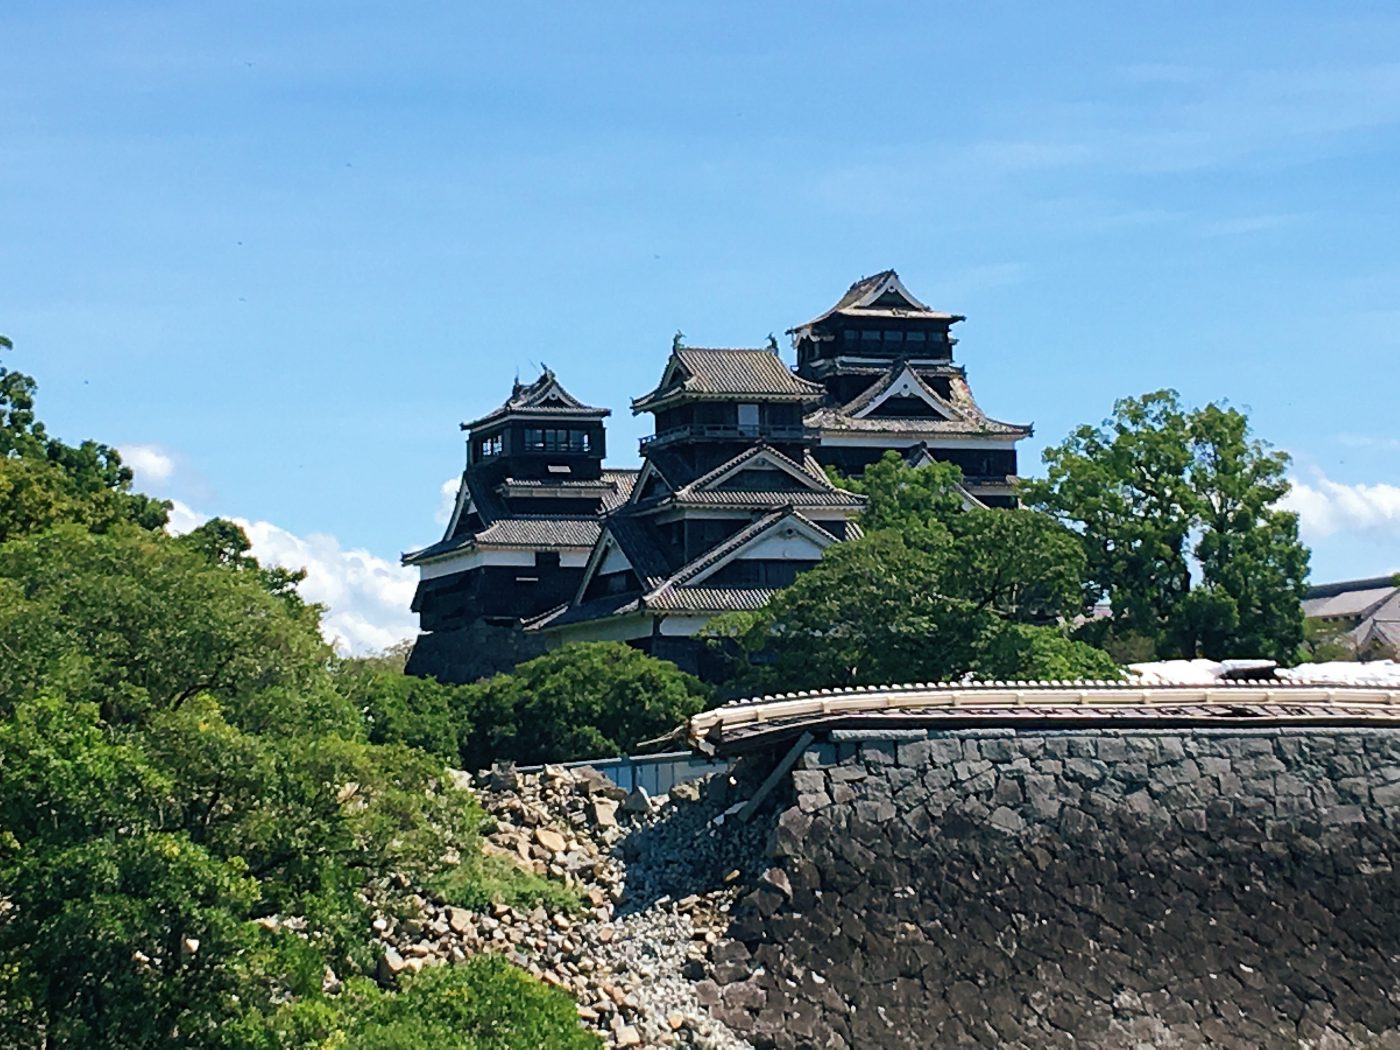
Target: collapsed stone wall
{"type": "Point", "coordinates": [1087, 888]}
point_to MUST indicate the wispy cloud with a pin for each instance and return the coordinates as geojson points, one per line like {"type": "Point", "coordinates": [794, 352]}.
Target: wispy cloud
{"type": "Point", "coordinates": [1388, 444]}
{"type": "Point", "coordinates": [1243, 225]}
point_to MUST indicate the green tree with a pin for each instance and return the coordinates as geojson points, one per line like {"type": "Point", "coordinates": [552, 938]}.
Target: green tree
{"type": "Point", "coordinates": [1021, 564]}
{"type": "Point", "coordinates": [177, 761]}
{"type": "Point", "coordinates": [580, 701]}
{"type": "Point", "coordinates": [919, 503]}
{"type": "Point", "coordinates": [1156, 490]}
{"type": "Point", "coordinates": [44, 482]}
{"type": "Point", "coordinates": [1249, 551]}
{"type": "Point", "coordinates": [875, 611]}
{"type": "Point", "coordinates": [138, 621]}
{"type": "Point", "coordinates": [401, 709]}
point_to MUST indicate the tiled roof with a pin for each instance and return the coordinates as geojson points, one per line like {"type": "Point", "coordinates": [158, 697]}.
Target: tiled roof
{"type": "Point", "coordinates": [593, 609]}
{"type": "Point", "coordinates": [528, 532]}
{"type": "Point", "coordinates": [830, 419]}
{"type": "Point", "coordinates": [711, 599]}
{"type": "Point", "coordinates": [435, 550]}
{"type": "Point", "coordinates": [638, 542]}
{"type": "Point", "coordinates": [540, 532]}
{"type": "Point", "coordinates": [1356, 598]}
{"type": "Point", "coordinates": [545, 395]}
{"type": "Point", "coordinates": [965, 415]}
{"type": "Point", "coordinates": [753, 452]}
{"type": "Point", "coordinates": [670, 593]}
{"type": "Point", "coordinates": [615, 485]}
{"type": "Point", "coordinates": [759, 374]}
{"type": "Point", "coordinates": [622, 481]}
{"type": "Point", "coordinates": [705, 600]}
{"type": "Point", "coordinates": [760, 500]}
{"type": "Point", "coordinates": [861, 297]}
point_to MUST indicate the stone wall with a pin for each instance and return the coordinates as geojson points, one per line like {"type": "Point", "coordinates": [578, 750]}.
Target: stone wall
{"type": "Point", "coordinates": [473, 652]}
{"type": "Point", "coordinates": [1138, 888]}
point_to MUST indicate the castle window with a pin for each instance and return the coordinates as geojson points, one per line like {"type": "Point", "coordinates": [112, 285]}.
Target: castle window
{"type": "Point", "coordinates": [870, 336]}
{"type": "Point", "coordinates": [558, 440]}
{"type": "Point", "coordinates": [894, 336]}
{"type": "Point", "coordinates": [913, 337]}
{"type": "Point", "coordinates": [488, 447]}
{"type": "Point", "coordinates": [748, 419]}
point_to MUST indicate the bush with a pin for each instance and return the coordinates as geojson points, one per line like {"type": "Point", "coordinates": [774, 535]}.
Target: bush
{"type": "Point", "coordinates": [581, 701]}
{"type": "Point", "coordinates": [482, 1004]}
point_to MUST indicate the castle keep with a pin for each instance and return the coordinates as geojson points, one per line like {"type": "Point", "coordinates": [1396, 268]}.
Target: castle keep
{"type": "Point", "coordinates": [546, 545]}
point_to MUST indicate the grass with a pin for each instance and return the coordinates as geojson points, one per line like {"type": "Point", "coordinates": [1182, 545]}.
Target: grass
{"type": "Point", "coordinates": [484, 880]}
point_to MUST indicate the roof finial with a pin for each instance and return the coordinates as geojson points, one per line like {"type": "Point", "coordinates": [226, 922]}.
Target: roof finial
{"type": "Point", "coordinates": [772, 342]}
{"type": "Point", "coordinates": [677, 340]}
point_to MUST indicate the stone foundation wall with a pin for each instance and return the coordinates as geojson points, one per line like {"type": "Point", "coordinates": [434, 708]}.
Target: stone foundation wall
{"type": "Point", "coordinates": [1082, 888]}
{"type": "Point", "coordinates": [467, 654]}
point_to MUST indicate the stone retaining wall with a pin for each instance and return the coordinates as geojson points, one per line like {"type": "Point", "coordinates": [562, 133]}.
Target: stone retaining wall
{"type": "Point", "coordinates": [1135, 888]}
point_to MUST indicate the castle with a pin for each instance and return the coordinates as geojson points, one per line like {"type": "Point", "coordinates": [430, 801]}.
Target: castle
{"type": "Point", "coordinates": [546, 545]}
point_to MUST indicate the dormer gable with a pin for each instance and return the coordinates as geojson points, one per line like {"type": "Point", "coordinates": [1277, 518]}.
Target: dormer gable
{"type": "Point", "coordinates": [760, 469]}
{"type": "Point", "coordinates": [784, 535]}
{"type": "Point", "coordinates": [902, 394]}
{"type": "Point", "coordinates": [651, 484]}
{"type": "Point", "coordinates": [608, 571]}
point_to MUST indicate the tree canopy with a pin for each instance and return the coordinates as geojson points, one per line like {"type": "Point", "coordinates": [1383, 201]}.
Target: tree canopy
{"type": "Point", "coordinates": [1178, 513]}
{"type": "Point", "coordinates": [177, 762]}
{"type": "Point", "coordinates": [933, 591]}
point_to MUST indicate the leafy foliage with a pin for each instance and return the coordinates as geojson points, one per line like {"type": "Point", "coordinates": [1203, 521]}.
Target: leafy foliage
{"type": "Point", "coordinates": [177, 761]}
{"type": "Point", "coordinates": [44, 481]}
{"type": "Point", "coordinates": [579, 701]}
{"type": "Point", "coordinates": [1153, 489]}
{"type": "Point", "coordinates": [933, 591]}
{"type": "Point", "coordinates": [482, 1004]}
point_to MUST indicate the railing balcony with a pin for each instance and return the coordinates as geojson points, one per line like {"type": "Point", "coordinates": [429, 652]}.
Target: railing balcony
{"type": "Point", "coordinates": [769, 432]}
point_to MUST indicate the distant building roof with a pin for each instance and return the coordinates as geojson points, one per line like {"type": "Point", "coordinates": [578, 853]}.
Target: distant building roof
{"type": "Point", "coordinates": [546, 396]}
{"type": "Point", "coordinates": [729, 373]}
{"type": "Point", "coordinates": [1348, 599]}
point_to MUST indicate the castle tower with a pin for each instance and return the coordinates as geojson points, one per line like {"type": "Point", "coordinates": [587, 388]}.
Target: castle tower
{"type": "Point", "coordinates": [885, 362]}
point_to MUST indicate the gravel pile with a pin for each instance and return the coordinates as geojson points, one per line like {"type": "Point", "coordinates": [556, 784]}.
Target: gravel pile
{"type": "Point", "coordinates": [658, 877]}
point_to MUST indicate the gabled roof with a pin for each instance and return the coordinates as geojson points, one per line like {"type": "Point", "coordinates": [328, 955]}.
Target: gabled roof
{"type": "Point", "coordinates": [964, 416]}
{"type": "Point", "coordinates": [880, 295]}
{"type": "Point", "coordinates": [546, 396]}
{"type": "Point", "coordinates": [901, 381]}
{"type": "Point", "coordinates": [752, 457]}
{"type": "Point", "coordinates": [816, 489]}
{"type": "Point", "coordinates": [748, 373]}
{"type": "Point", "coordinates": [681, 590]}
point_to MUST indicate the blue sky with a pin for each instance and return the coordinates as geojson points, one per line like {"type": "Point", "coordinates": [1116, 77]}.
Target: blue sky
{"type": "Point", "coordinates": [280, 251]}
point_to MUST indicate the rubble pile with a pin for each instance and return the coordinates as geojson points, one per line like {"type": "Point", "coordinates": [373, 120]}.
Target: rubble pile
{"type": "Point", "coordinates": [656, 878]}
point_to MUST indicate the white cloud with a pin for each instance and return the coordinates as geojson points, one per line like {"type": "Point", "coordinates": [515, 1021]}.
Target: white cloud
{"type": "Point", "coordinates": [151, 464]}
{"type": "Point", "coordinates": [1326, 508]}
{"type": "Point", "coordinates": [366, 597]}
{"type": "Point", "coordinates": [447, 501]}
